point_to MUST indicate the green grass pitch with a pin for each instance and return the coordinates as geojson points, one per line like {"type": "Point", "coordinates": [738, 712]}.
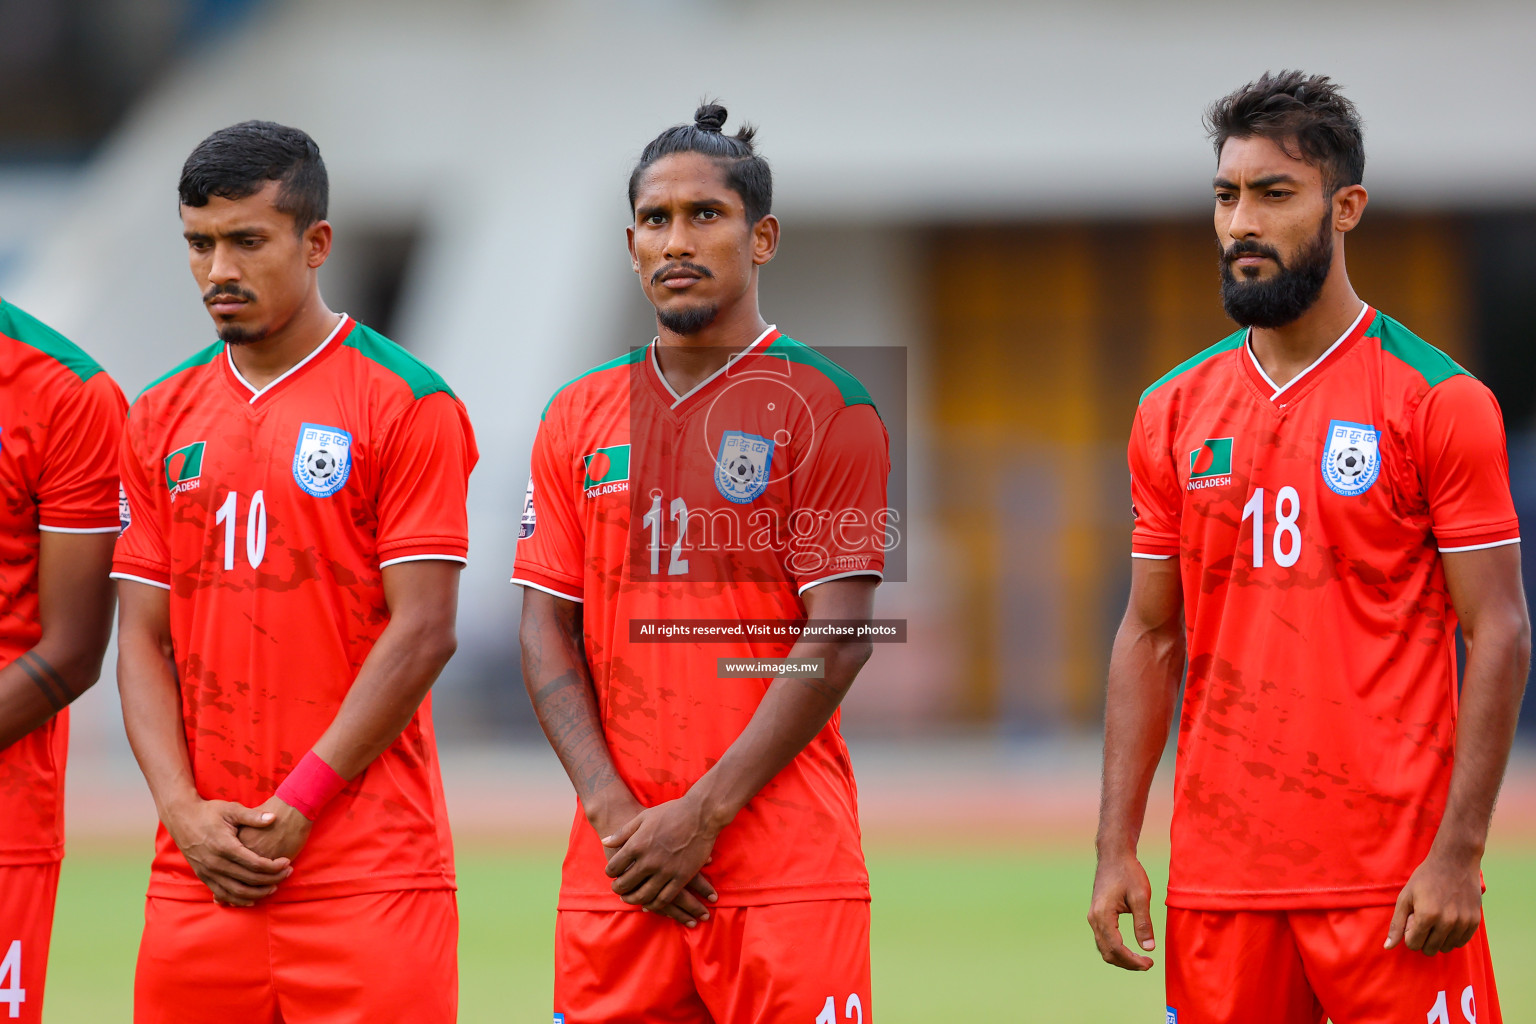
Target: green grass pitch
{"type": "Point", "coordinates": [980, 933]}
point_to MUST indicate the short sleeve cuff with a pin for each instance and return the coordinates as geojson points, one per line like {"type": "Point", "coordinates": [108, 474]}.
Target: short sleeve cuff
{"type": "Point", "coordinates": [1154, 547]}
{"type": "Point", "coordinates": [138, 571]}
{"type": "Point", "coordinates": [808, 584]}
{"type": "Point", "coordinates": [452, 549]}
{"type": "Point", "coordinates": [55, 522]}
{"type": "Point", "coordinates": [1475, 540]}
{"type": "Point", "coordinates": [528, 576]}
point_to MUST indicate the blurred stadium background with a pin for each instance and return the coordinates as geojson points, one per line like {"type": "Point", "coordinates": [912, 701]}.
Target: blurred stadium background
{"type": "Point", "coordinates": [1013, 193]}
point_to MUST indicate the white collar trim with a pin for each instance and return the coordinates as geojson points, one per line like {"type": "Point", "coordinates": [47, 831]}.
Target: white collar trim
{"type": "Point", "coordinates": [678, 399]}
{"type": "Point", "coordinates": [258, 392]}
{"type": "Point", "coordinates": [1280, 390]}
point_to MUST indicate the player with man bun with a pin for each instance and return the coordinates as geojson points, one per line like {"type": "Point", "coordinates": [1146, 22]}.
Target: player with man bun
{"type": "Point", "coordinates": [723, 472]}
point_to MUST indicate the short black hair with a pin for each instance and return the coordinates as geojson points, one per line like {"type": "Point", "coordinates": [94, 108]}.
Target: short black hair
{"type": "Point", "coordinates": [238, 161]}
{"type": "Point", "coordinates": [746, 173]}
{"type": "Point", "coordinates": [1293, 105]}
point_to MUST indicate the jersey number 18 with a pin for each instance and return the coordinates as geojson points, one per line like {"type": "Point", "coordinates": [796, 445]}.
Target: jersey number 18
{"type": "Point", "coordinates": [1285, 542]}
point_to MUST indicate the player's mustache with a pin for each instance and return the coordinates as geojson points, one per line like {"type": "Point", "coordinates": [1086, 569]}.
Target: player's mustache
{"type": "Point", "coordinates": [680, 265]}
{"type": "Point", "coordinates": [1249, 248]}
{"type": "Point", "coordinates": [232, 290]}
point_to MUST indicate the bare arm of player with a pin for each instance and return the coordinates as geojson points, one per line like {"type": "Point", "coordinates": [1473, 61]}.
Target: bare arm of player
{"type": "Point", "coordinates": [1144, 671]}
{"type": "Point", "coordinates": [423, 600]}
{"type": "Point", "coordinates": [75, 613]}
{"type": "Point", "coordinates": [204, 830]}
{"type": "Point", "coordinates": [1442, 905]}
{"type": "Point", "coordinates": [560, 686]}
{"type": "Point", "coordinates": [653, 855]}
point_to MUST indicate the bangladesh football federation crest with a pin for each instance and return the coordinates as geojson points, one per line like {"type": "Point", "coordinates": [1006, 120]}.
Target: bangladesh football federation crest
{"type": "Point", "coordinates": [322, 459]}
{"type": "Point", "coordinates": [742, 466]}
{"type": "Point", "coordinates": [1351, 457]}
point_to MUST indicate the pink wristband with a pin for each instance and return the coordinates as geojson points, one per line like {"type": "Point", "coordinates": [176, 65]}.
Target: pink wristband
{"type": "Point", "coordinates": [310, 786]}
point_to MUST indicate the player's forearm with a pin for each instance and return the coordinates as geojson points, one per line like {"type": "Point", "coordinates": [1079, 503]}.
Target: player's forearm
{"type": "Point", "coordinates": [1498, 659]}
{"type": "Point", "coordinates": [40, 684]}
{"type": "Point", "coordinates": [559, 685]}
{"type": "Point", "coordinates": [151, 699]}
{"type": "Point", "coordinates": [1144, 672]}
{"type": "Point", "coordinates": [389, 688]}
{"type": "Point", "coordinates": [791, 714]}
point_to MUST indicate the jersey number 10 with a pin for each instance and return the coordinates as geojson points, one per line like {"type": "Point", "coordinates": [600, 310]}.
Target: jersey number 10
{"type": "Point", "coordinates": [255, 528]}
{"type": "Point", "coordinates": [1285, 542]}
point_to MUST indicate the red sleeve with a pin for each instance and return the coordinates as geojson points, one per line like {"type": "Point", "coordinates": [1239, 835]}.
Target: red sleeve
{"type": "Point", "coordinates": [551, 545]}
{"type": "Point", "coordinates": [838, 525]}
{"type": "Point", "coordinates": [77, 489]}
{"type": "Point", "coordinates": [1464, 465]}
{"type": "Point", "coordinates": [1156, 503]}
{"type": "Point", "coordinates": [142, 553]}
{"type": "Point", "coordinates": [426, 458]}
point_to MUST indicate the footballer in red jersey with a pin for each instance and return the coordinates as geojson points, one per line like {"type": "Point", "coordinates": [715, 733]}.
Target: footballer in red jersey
{"type": "Point", "coordinates": [1320, 500]}
{"type": "Point", "coordinates": [294, 531]}
{"type": "Point", "coordinates": [60, 420]}
{"type": "Point", "coordinates": [727, 475]}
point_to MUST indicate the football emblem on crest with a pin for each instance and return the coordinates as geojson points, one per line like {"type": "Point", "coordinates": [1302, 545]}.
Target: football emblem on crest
{"type": "Point", "coordinates": [322, 459]}
{"type": "Point", "coordinates": [742, 466]}
{"type": "Point", "coordinates": [1351, 457]}
{"type": "Point", "coordinates": [322, 465]}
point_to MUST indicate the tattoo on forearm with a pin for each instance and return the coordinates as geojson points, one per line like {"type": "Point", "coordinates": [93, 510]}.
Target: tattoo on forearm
{"type": "Point", "coordinates": [567, 708]}
{"type": "Point", "coordinates": [47, 680]}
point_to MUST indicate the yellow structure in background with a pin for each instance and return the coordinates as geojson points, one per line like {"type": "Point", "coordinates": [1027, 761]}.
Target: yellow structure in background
{"type": "Point", "coordinates": [1043, 338]}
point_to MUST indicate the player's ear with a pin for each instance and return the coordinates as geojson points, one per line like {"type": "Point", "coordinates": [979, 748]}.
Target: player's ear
{"type": "Point", "coordinates": [1349, 206]}
{"type": "Point", "coordinates": [765, 239]}
{"type": "Point", "coordinates": [316, 242]}
{"type": "Point", "coordinates": [634, 259]}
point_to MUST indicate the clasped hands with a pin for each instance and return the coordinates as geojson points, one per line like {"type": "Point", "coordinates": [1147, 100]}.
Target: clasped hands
{"type": "Point", "coordinates": [655, 857]}
{"type": "Point", "coordinates": [240, 853]}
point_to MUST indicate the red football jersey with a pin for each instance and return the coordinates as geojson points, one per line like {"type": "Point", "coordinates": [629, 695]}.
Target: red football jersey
{"type": "Point", "coordinates": [269, 516]}
{"type": "Point", "coordinates": [1319, 720]}
{"type": "Point", "coordinates": [60, 420]}
{"type": "Point", "coordinates": [724, 504]}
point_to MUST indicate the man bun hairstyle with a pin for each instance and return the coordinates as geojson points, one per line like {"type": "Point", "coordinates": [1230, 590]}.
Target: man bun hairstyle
{"type": "Point", "coordinates": [238, 161]}
{"type": "Point", "coordinates": [746, 173]}
{"type": "Point", "coordinates": [1295, 109]}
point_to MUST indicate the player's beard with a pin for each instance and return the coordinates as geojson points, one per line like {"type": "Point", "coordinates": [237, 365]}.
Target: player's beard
{"type": "Point", "coordinates": [688, 321]}
{"type": "Point", "coordinates": [232, 333]}
{"type": "Point", "coordinates": [239, 334]}
{"type": "Point", "coordinates": [1283, 298]}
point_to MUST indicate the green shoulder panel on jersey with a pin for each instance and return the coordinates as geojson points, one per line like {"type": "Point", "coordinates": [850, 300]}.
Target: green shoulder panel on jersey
{"type": "Point", "coordinates": [418, 376]}
{"type": "Point", "coordinates": [1227, 344]}
{"type": "Point", "coordinates": [853, 392]}
{"type": "Point", "coordinates": [32, 332]}
{"type": "Point", "coordinates": [1425, 360]}
{"type": "Point", "coordinates": [627, 359]}
{"type": "Point", "coordinates": [202, 358]}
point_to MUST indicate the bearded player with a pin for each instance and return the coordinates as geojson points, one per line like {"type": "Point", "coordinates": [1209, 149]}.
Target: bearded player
{"type": "Point", "coordinates": [61, 418]}
{"type": "Point", "coordinates": [1321, 498]}
{"type": "Point", "coordinates": [289, 572]}
{"type": "Point", "coordinates": [703, 477]}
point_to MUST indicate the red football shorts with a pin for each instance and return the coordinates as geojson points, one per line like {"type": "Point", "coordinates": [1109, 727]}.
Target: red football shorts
{"type": "Point", "coordinates": [795, 963]}
{"type": "Point", "coordinates": [1305, 966]}
{"type": "Point", "coordinates": [26, 924]}
{"type": "Point", "coordinates": [377, 958]}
